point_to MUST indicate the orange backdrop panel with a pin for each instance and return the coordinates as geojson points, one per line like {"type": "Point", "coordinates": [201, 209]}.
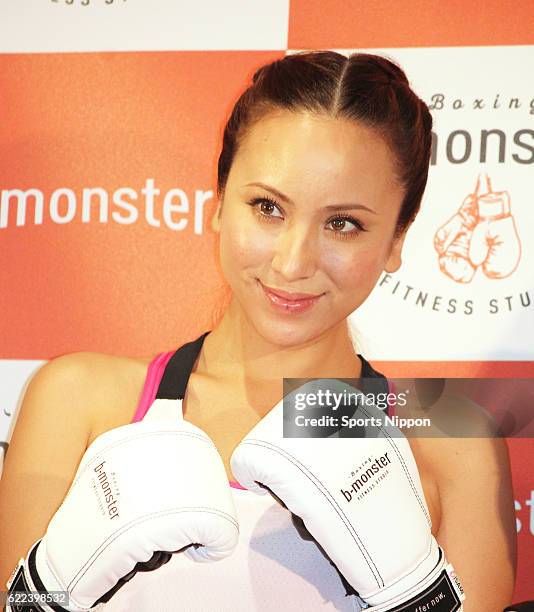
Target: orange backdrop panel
{"type": "Point", "coordinates": [412, 23]}
{"type": "Point", "coordinates": [111, 120]}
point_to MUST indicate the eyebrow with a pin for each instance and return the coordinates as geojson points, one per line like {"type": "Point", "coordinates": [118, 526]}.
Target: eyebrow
{"type": "Point", "coordinates": [287, 200]}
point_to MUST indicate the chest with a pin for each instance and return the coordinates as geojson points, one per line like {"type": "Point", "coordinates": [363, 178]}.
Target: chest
{"type": "Point", "coordinates": [225, 411]}
{"type": "Point", "coordinates": [228, 415]}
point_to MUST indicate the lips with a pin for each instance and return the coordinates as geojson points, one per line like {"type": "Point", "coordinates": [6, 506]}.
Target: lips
{"type": "Point", "coordinates": [295, 303]}
{"type": "Point", "coordinates": [291, 297]}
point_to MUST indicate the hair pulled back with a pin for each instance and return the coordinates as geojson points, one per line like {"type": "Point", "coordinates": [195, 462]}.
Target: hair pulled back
{"type": "Point", "coordinates": [363, 87]}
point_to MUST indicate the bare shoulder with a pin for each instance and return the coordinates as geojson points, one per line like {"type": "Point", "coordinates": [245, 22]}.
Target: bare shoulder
{"type": "Point", "coordinates": [460, 445]}
{"type": "Point", "coordinates": [105, 389]}
{"type": "Point", "coordinates": [456, 459]}
{"type": "Point", "coordinates": [115, 384]}
{"type": "Point", "coordinates": [457, 470]}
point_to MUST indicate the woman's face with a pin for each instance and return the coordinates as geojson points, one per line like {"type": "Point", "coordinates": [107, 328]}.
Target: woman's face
{"type": "Point", "coordinates": [310, 207]}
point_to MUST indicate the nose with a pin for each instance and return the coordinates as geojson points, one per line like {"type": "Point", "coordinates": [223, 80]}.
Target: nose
{"type": "Point", "coordinates": [295, 255]}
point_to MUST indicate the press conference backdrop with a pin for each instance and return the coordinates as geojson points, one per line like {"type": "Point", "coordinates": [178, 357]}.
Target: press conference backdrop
{"type": "Point", "coordinates": [111, 114]}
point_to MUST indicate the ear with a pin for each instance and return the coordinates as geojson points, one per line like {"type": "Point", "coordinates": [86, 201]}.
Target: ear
{"type": "Point", "coordinates": [215, 220]}
{"type": "Point", "coordinates": [394, 260]}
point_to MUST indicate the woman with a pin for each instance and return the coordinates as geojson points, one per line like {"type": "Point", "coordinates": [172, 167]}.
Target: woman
{"type": "Point", "coordinates": [322, 170]}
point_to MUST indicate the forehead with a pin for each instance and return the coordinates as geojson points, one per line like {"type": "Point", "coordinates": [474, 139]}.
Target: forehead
{"type": "Point", "coordinates": [321, 150]}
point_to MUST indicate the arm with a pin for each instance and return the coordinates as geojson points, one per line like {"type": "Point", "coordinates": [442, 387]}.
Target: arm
{"type": "Point", "coordinates": [142, 509]}
{"type": "Point", "coordinates": [477, 528]}
{"type": "Point", "coordinates": [48, 442]}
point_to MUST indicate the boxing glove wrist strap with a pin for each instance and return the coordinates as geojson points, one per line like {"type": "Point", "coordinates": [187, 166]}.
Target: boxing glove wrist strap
{"type": "Point", "coordinates": [441, 591]}
{"type": "Point", "coordinates": [26, 591]}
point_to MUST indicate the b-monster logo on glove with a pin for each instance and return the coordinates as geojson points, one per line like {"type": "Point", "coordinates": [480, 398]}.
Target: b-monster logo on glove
{"type": "Point", "coordinates": [366, 481]}
{"type": "Point", "coordinates": [107, 497]}
{"type": "Point", "coordinates": [481, 234]}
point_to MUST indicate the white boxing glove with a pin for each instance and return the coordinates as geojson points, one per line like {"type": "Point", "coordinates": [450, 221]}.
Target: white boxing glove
{"type": "Point", "coordinates": [362, 501]}
{"type": "Point", "coordinates": [141, 492]}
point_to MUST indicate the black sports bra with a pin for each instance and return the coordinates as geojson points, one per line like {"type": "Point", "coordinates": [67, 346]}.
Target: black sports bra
{"type": "Point", "coordinates": [174, 381]}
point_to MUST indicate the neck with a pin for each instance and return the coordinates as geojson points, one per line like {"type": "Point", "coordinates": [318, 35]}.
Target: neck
{"type": "Point", "coordinates": [235, 348]}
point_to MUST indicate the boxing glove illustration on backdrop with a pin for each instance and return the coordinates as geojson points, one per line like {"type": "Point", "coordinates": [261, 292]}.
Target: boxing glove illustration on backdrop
{"type": "Point", "coordinates": [452, 239]}
{"type": "Point", "coordinates": [495, 242]}
{"type": "Point", "coordinates": [482, 233]}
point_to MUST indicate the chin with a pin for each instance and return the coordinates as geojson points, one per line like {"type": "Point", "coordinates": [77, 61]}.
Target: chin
{"type": "Point", "coordinates": [286, 335]}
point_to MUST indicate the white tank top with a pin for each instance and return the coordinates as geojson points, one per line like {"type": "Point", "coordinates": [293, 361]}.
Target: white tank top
{"type": "Point", "coordinates": [272, 568]}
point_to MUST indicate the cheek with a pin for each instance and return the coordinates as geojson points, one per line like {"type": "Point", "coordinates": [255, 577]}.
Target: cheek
{"type": "Point", "coordinates": [357, 269]}
{"type": "Point", "coordinates": [243, 247]}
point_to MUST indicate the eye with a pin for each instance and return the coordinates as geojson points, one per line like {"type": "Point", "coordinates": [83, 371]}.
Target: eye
{"type": "Point", "coordinates": [340, 223]}
{"type": "Point", "coordinates": [264, 207]}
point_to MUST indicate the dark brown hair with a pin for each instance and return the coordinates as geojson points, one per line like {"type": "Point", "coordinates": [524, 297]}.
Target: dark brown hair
{"type": "Point", "coordinates": [364, 87]}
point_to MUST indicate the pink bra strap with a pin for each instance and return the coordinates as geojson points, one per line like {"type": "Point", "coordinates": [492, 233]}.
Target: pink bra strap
{"type": "Point", "coordinates": [153, 378]}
